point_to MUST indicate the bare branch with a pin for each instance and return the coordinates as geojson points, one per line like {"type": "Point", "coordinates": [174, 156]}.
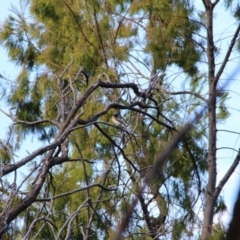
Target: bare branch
{"type": "Point", "coordinates": [18, 121]}
{"type": "Point", "coordinates": [215, 3]}
{"type": "Point", "coordinates": [227, 175]}
{"type": "Point", "coordinates": [187, 92]}
{"type": "Point", "coordinates": [77, 190]}
{"type": "Point", "coordinates": [71, 218]}
{"type": "Point", "coordinates": [66, 68]}
{"type": "Point", "coordinates": [154, 172]}
{"type": "Point", "coordinates": [223, 130]}
{"type": "Point", "coordinates": [227, 148]}
{"type": "Point", "coordinates": [34, 222]}
{"type": "Point", "coordinates": [230, 49]}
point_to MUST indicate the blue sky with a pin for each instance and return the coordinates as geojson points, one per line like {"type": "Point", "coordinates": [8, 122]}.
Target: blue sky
{"type": "Point", "coordinates": [223, 29]}
{"type": "Point", "coordinates": [7, 68]}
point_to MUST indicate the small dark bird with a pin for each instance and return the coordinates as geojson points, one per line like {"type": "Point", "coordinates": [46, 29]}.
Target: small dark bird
{"type": "Point", "coordinates": [118, 120]}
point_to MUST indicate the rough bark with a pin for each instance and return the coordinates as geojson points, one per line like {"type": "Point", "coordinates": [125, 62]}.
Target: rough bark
{"type": "Point", "coordinates": [212, 173]}
{"type": "Point", "coordinates": [212, 192]}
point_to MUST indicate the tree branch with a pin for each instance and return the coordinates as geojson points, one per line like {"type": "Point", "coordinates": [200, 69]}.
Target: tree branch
{"type": "Point", "coordinates": [187, 92]}
{"type": "Point", "coordinates": [18, 121]}
{"type": "Point", "coordinates": [33, 224]}
{"type": "Point", "coordinates": [77, 190]}
{"type": "Point", "coordinates": [227, 175]}
{"type": "Point", "coordinates": [71, 218]}
{"type": "Point", "coordinates": [230, 48]}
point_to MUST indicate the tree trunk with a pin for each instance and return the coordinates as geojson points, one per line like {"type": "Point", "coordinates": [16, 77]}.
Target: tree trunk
{"type": "Point", "coordinates": [212, 173]}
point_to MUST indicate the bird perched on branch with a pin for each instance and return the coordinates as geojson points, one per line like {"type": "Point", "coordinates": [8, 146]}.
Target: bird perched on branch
{"type": "Point", "coordinates": [117, 120]}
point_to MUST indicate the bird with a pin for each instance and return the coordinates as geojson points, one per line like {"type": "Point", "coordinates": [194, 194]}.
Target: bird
{"type": "Point", "coordinates": [117, 120]}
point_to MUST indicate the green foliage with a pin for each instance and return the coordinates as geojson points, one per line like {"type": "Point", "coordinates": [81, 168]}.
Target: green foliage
{"type": "Point", "coordinates": [178, 228]}
{"type": "Point", "coordinates": [5, 156]}
{"type": "Point", "coordinates": [237, 12]}
{"type": "Point", "coordinates": [170, 34]}
{"type": "Point", "coordinates": [219, 232]}
{"type": "Point", "coordinates": [220, 206]}
{"type": "Point", "coordinates": [19, 48]}
{"type": "Point", "coordinates": [101, 38]}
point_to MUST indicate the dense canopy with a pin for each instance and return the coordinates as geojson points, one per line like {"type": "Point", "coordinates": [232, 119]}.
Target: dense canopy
{"type": "Point", "coordinates": [81, 62]}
